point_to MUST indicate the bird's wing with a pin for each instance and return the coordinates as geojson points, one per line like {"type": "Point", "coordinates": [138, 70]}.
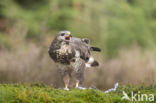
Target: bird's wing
{"type": "Point", "coordinates": [82, 47]}
{"type": "Point", "coordinates": [85, 42]}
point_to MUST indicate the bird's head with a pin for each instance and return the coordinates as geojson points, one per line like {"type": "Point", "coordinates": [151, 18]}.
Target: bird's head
{"type": "Point", "coordinates": [64, 35]}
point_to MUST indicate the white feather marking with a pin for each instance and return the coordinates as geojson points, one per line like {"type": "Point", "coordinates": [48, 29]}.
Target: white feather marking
{"type": "Point", "coordinates": [77, 54]}
{"type": "Point", "coordinates": [113, 89]}
{"type": "Point", "coordinates": [64, 49]}
{"type": "Point", "coordinates": [76, 64]}
{"type": "Point", "coordinates": [88, 65]}
{"type": "Point", "coordinates": [91, 60]}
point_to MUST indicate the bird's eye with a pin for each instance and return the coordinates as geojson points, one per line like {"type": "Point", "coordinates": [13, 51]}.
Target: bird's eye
{"type": "Point", "coordinates": [62, 34]}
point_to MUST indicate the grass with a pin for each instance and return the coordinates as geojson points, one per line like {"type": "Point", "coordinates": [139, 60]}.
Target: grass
{"type": "Point", "coordinates": [39, 93]}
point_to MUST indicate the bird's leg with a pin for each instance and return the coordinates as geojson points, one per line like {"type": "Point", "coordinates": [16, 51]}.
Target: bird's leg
{"type": "Point", "coordinates": [77, 84]}
{"type": "Point", "coordinates": [66, 79]}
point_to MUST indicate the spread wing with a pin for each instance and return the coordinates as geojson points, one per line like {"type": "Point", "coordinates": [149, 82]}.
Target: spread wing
{"type": "Point", "coordinates": [66, 51]}
{"type": "Point", "coordinates": [83, 47]}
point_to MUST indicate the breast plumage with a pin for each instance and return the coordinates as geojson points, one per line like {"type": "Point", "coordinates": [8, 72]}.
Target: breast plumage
{"type": "Point", "coordinates": [63, 54]}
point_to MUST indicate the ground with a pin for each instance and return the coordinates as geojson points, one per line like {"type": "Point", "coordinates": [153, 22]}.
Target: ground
{"type": "Point", "coordinates": [39, 93]}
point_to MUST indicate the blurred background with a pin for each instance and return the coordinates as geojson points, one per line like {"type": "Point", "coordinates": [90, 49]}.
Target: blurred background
{"type": "Point", "coordinates": [125, 30]}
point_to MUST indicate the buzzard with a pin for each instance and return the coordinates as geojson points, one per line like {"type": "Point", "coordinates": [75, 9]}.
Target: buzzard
{"type": "Point", "coordinates": [72, 56]}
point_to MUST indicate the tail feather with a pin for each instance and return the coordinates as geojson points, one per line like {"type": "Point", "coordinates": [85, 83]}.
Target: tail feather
{"type": "Point", "coordinates": [96, 49]}
{"type": "Point", "coordinates": [92, 63]}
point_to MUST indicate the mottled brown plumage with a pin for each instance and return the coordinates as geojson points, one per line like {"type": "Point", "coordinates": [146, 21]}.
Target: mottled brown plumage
{"type": "Point", "coordinates": [72, 56]}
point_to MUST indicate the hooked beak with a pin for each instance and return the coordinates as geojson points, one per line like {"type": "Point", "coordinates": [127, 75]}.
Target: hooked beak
{"type": "Point", "coordinates": [68, 37]}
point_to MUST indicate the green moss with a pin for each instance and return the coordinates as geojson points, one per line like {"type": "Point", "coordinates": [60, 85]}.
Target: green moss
{"type": "Point", "coordinates": [39, 93]}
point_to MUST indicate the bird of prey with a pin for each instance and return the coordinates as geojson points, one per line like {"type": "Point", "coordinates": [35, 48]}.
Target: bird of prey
{"type": "Point", "coordinates": [72, 56]}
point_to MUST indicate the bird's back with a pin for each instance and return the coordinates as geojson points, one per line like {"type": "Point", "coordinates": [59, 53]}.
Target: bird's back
{"type": "Point", "coordinates": [81, 47]}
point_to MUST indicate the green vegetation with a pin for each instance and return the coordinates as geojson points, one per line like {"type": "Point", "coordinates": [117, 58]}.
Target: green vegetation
{"type": "Point", "coordinates": [38, 93]}
{"type": "Point", "coordinates": [114, 24]}
{"type": "Point", "coordinates": [121, 28]}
